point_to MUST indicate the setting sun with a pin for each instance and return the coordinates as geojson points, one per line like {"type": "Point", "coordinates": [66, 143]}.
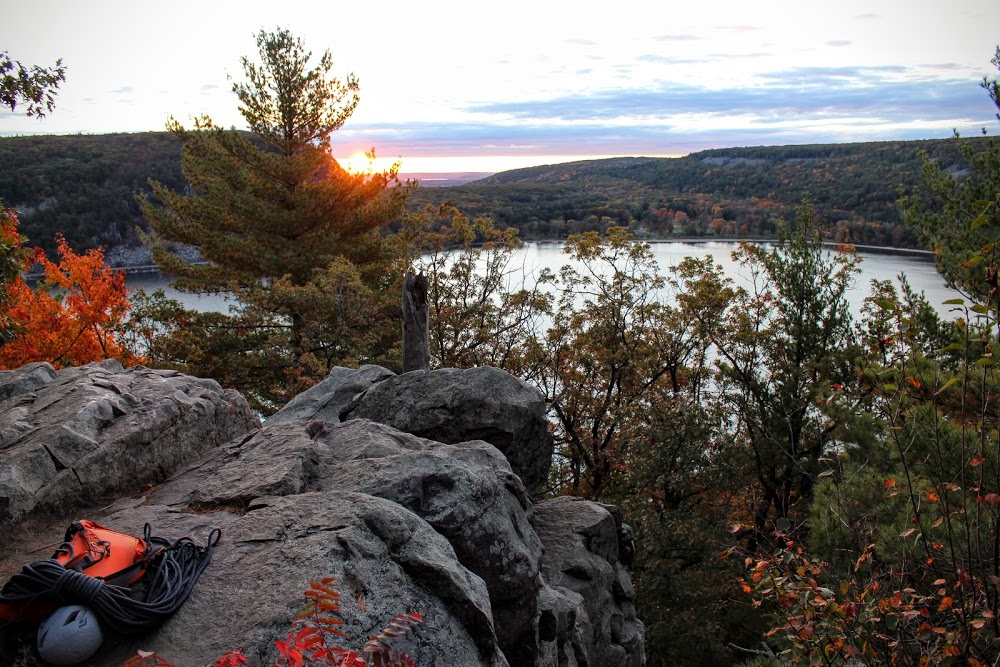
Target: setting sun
{"type": "Point", "coordinates": [360, 163]}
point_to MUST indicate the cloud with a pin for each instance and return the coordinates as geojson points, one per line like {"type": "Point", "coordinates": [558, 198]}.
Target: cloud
{"type": "Point", "coordinates": [739, 56]}
{"type": "Point", "coordinates": [739, 28]}
{"type": "Point", "coordinates": [868, 16]}
{"type": "Point", "coordinates": [581, 42]}
{"type": "Point", "coordinates": [946, 66]}
{"type": "Point", "coordinates": [839, 42]}
{"type": "Point", "coordinates": [123, 90]}
{"type": "Point", "coordinates": [208, 89]}
{"type": "Point", "coordinates": [676, 38]}
{"type": "Point", "coordinates": [802, 105]}
{"type": "Point", "coordinates": [671, 60]}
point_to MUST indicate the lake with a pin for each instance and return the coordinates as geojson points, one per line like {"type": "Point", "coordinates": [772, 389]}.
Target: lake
{"type": "Point", "coordinates": [533, 257]}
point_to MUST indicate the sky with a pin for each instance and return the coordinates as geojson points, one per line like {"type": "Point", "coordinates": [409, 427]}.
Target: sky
{"type": "Point", "coordinates": [463, 86]}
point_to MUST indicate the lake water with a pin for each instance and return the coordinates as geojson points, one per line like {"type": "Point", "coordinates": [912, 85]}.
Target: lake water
{"type": "Point", "coordinates": [533, 257]}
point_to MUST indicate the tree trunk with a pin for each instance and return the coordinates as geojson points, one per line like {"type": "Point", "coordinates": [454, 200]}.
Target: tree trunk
{"type": "Point", "coordinates": [416, 338]}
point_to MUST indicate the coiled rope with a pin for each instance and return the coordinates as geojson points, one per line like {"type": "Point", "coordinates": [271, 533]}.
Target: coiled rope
{"type": "Point", "coordinates": [172, 575]}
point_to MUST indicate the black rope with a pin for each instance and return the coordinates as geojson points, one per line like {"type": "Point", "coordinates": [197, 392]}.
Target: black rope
{"type": "Point", "coordinates": [172, 575]}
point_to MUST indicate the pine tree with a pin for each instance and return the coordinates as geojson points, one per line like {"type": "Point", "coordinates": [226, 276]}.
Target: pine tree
{"type": "Point", "coordinates": [283, 227]}
{"type": "Point", "coordinates": [274, 202]}
{"type": "Point", "coordinates": [789, 340]}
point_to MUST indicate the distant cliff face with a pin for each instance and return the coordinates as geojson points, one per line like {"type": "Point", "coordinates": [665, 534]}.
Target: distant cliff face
{"type": "Point", "coordinates": [404, 523]}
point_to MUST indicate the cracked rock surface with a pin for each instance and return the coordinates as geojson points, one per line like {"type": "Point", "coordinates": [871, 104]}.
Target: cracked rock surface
{"type": "Point", "coordinates": [403, 523]}
{"type": "Point", "coordinates": [82, 435]}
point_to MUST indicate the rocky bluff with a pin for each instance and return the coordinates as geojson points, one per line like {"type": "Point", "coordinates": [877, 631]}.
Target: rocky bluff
{"type": "Point", "coordinates": [414, 491]}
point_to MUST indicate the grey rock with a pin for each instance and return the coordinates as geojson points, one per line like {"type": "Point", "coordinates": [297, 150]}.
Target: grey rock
{"type": "Point", "coordinates": [92, 432]}
{"type": "Point", "coordinates": [25, 379]}
{"type": "Point", "coordinates": [466, 492]}
{"type": "Point", "coordinates": [325, 400]}
{"type": "Point", "coordinates": [454, 405]}
{"type": "Point", "coordinates": [385, 561]}
{"type": "Point", "coordinates": [589, 616]}
{"type": "Point", "coordinates": [404, 523]}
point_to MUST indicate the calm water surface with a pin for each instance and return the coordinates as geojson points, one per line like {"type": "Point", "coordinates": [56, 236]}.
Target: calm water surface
{"type": "Point", "coordinates": [534, 257]}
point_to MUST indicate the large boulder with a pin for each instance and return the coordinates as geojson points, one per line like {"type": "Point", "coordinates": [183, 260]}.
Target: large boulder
{"type": "Point", "coordinates": [385, 561]}
{"type": "Point", "coordinates": [454, 405]}
{"type": "Point", "coordinates": [587, 610]}
{"type": "Point", "coordinates": [328, 398]}
{"type": "Point", "coordinates": [466, 492]}
{"type": "Point", "coordinates": [80, 435]}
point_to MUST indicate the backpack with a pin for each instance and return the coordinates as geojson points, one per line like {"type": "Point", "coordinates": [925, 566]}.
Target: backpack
{"type": "Point", "coordinates": [106, 554]}
{"type": "Point", "coordinates": [96, 566]}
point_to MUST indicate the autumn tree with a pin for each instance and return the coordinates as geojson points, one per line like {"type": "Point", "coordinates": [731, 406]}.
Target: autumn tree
{"type": "Point", "coordinates": [37, 86]}
{"type": "Point", "coordinates": [901, 561]}
{"type": "Point", "coordinates": [273, 214]}
{"type": "Point", "coordinates": [13, 262]}
{"type": "Point", "coordinates": [963, 252]}
{"type": "Point", "coordinates": [75, 316]}
{"type": "Point", "coordinates": [484, 309]}
{"type": "Point", "coordinates": [616, 348]}
{"type": "Point", "coordinates": [788, 342]}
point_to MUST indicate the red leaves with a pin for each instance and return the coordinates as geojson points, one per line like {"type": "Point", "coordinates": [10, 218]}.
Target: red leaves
{"type": "Point", "coordinates": [76, 323]}
{"type": "Point", "coordinates": [147, 659]}
{"type": "Point", "coordinates": [234, 658]}
{"type": "Point", "coordinates": [308, 640]}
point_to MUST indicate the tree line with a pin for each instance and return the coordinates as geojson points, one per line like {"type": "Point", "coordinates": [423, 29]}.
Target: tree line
{"type": "Point", "coordinates": [84, 187]}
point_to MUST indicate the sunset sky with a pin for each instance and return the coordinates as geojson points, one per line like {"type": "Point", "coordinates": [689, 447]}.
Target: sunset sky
{"type": "Point", "coordinates": [461, 86]}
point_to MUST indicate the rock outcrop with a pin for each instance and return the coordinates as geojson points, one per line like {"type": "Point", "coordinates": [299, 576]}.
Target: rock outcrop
{"type": "Point", "coordinates": [588, 614]}
{"type": "Point", "coordinates": [80, 435]}
{"type": "Point", "coordinates": [326, 400]}
{"type": "Point", "coordinates": [403, 522]}
{"type": "Point", "coordinates": [447, 405]}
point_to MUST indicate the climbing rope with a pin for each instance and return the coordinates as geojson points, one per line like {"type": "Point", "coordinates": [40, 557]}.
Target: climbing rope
{"type": "Point", "coordinates": [171, 576]}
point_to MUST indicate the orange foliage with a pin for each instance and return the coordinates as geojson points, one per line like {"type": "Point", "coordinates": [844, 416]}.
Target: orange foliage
{"type": "Point", "coordinates": [309, 640]}
{"type": "Point", "coordinates": [72, 317]}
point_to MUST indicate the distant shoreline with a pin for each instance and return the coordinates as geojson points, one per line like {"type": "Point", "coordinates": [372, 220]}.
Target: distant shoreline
{"type": "Point", "coordinates": [147, 268]}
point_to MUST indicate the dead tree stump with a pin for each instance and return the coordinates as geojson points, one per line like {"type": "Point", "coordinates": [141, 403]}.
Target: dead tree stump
{"type": "Point", "coordinates": [416, 336]}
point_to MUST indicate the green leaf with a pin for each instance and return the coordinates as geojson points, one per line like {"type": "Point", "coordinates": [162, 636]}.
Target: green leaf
{"type": "Point", "coordinates": [980, 308]}
{"type": "Point", "coordinates": [972, 261]}
{"type": "Point", "coordinates": [948, 384]}
{"type": "Point", "coordinates": [886, 304]}
{"type": "Point", "coordinates": [890, 387]}
{"type": "Point", "coordinates": [826, 473]}
{"type": "Point", "coordinates": [985, 361]}
{"type": "Point", "coordinates": [979, 221]}
{"type": "Point", "coordinates": [953, 302]}
{"type": "Point", "coordinates": [954, 347]}
{"type": "Point", "coordinates": [782, 524]}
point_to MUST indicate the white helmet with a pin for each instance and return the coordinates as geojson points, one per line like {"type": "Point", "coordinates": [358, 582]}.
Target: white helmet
{"type": "Point", "coordinates": [69, 636]}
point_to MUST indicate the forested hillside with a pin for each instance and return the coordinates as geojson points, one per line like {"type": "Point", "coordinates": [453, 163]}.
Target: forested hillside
{"type": "Point", "coordinates": [84, 187]}
{"type": "Point", "coordinates": [722, 192]}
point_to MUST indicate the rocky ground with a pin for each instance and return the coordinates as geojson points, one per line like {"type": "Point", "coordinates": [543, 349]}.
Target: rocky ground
{"type": "Point", "coordinates": [416, 492]}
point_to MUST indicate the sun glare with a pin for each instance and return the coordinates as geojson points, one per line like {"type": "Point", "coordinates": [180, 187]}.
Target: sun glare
{"type": "Point", "coordinates": [360, 163]}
